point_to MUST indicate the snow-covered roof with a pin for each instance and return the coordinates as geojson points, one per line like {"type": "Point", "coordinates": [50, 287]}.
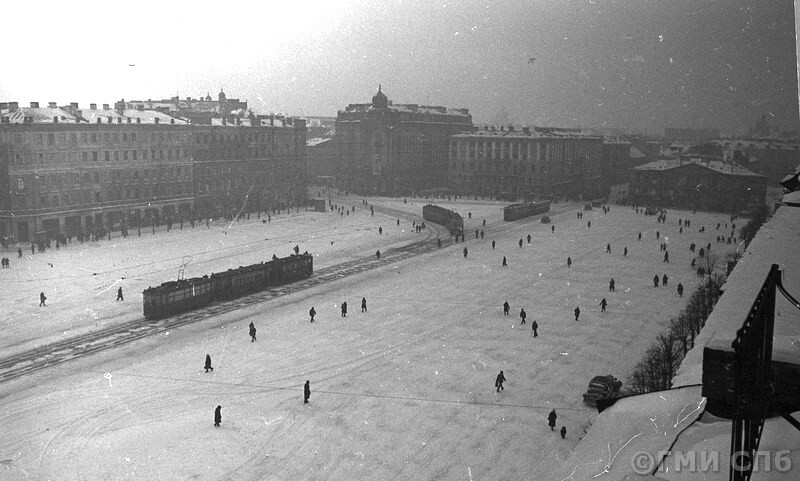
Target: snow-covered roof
{"type": "Point", "coordinates": [316, 141]}
{"type": "Point", "coordinates": [727, 168]}
{"type": "Point", "coordinates": [37, 115]}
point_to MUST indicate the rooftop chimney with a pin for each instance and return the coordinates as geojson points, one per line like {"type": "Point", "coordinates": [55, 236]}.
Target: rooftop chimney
{"type": "Point", "coordinates": [52, 105]}
{"type": "Point", "coordinates": [34, 105]}
{"type": "Point", "coordinates": [98, 119]}
{"type": "Point", "coordinates": [13, 106]}
{"type": "Point", "coordinates": [157, 120]}
{"type": "Point", "coordinates": [3, 105]}
{"type": "Point", "coordinates": [138, 120]}
{"type": "Point", "coordinates": [105, 106]}
{"type": "Point", "coordinates": [119, 120]}
{"type": "Point", "coordinates": [130, 120]}
{"type": "Point", "coordinates": [140, 107]}
{"type": "Point", "coordinates": [55, 119]}
{"type": "Point", "coordinates": [73, 105]}
{"type": "Point", "coordinates": [93, 106]}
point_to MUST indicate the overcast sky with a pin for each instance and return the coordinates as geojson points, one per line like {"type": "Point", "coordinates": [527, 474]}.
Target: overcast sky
{"type": "Point", "coordinates": [637, 64]}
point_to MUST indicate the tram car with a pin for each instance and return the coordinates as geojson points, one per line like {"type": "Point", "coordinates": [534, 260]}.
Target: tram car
{"type": "Point", "coordinates": [439, 215]}
{"type": "Point", "coordinates": [187, 294]}
{"type": "Point", "coordinates": [519, 211]}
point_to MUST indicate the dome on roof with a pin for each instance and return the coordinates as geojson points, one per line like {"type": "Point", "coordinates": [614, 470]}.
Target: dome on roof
{"type": "Point", "coordinates": [379, 100]}
{"type": "Point", "coordinates": [221, 95]}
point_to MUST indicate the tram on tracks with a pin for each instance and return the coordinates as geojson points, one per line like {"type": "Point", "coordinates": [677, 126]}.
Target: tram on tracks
{"type": "Point", "coordinates": [519, 211]}
{"type": "Point", "coordinates": [439, 215]}
{"type": "Point", "coordinates": [187, 294]}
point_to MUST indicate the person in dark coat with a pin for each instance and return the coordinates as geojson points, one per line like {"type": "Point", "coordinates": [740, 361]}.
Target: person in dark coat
{"type": "Point", "coordinates": [611, 285]}
{"type": "Point", "coordinates": [465, 252]}
{"type": "Point", "coordinates": [589, 224]}
{"type": "Point", "coordinates": [505, 262]}
{"type": "Point", "coordinates": [344, 309]}
{"type": "Point", "coordinates": [625, 252]}
{"type": "Point", "coordinates": [551, 419]}
{"type": "Point", "coordinates": [312, 313]}
{"type": "Point", "coordinates": [19, 251]}
{"type": "Point", "coordinates": [529, 238]}
{"type": "Point", "coordinates": [306, 392]}
{"type": "Point", "coordinates": [498, 383]}
{"type": "Point", "coordinates": [569, 261]}
{"type": "Point", "coordinates": [655, 281]}
{"type": "Point", "coordinates": [640, 236]}
{"type": "Point", "coordinates": [119, 294]}
{"type": "Point", "coordinates": [492, 245]}
{"type": "Point", "coordinates": [208, 363]}
{"type": "Point", "coordinates": [664, 280]}
{"type": "Point", "coordinates": [42, 298]}
{"type": "Point", "coordinates": [217, 416]}
{"type": "Point", "coordinates": [577, 313]}
{"type": "Point", "coordinates": [603, 305]}
{"type": "Point", "coordinates": [378, 255]}
{"type": "Point", "coordinates": [522, 315]}
{"type": "Point", "coordinates": [666, 257]}
{"type": "Point", "coordinates": [520, 242]}
{"type": "Point", "coordinates": [363, 304]}
{"type": "Point", "coordinates": [252, 332]}
{"type": "Point", "coordinates": [506, 308]}
{"type": "Point", "coordinates": [552, 229]}
{"type": "Point", "coordinates": [680, 290]}
{"type": "Point", "coordinates": [608, 248]}
{"type": "Point", "coordinates": [535, 328]}
{"type": "Point", "coordinates": [563, 432]}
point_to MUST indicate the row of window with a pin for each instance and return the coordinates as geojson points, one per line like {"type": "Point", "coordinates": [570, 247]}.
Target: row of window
{"type": "Point", "coordinates": [472, 178]}
{"type": "Point", "coordinates": [95, 156]}
{"type": "Point", "coordinates": [87, 197]}
{"type": "Point", "coordinates": [90, 138]}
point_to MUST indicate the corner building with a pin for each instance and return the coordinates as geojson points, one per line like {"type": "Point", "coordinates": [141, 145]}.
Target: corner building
{"type": "Point", "coordinates": [395, 148]}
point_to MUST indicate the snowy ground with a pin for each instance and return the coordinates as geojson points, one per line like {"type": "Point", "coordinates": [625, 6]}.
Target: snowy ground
{"type": "Point", "coordinates": [404, 391]}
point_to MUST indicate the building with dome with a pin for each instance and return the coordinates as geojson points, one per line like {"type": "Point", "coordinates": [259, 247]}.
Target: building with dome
{"type": "Point", "coordinates": [383, 147]}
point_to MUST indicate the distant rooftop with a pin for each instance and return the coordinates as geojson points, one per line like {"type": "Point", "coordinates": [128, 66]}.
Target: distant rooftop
{"type": "Point", "coordinates": [527, 132]}
{"type": "Point", "coordinates": [12, 113]}
{"type": "Point", "coordinates": [720, 166]}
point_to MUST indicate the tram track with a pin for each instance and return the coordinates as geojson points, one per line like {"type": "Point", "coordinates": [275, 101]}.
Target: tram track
{"type": "Point", "coordinates": [59, 352]}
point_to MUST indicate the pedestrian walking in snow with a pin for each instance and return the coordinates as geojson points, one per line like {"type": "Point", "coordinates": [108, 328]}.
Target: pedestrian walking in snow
{"type": "Point", "coordinates": [344, 309]}
{"type": "Point", "coordinates": [529, 238]}
{"type": "Point", "coordinates": [484, 222]}
{"type": "Point", "coordinates": [640, 236]}
{"type": "Point", "coordinates": [655, 281]}
{"type": "Point", "coordinates": [378, 255]}
{"type": "Point", "coordinates": [625, 252]}
{"type": "Point", "coordinates": [312, 313]}
{"type": "Point", "coordinates": [217, 416]}
{"type": "Point", "coordinates": [492, 245]}
{"type": "Point", "coordinates": [506, 308]}
{"type": "Point", "coordinates": [680, 290]}
{"type": "Point", "coordinates": [535, 328]}
{"type": "Point", "coordinates": [563, 432]}
{"type": "Point", "coordinates": [208, 363]}
{"type": "Point", "coordinates": [577, 313]}
{"type": "Point", "coordinates": [569, 261]}
{"type": "Point", "coordinates": [520, 243]}
{"type": "Point", "coordinates": [603, 305]}
{"type": "Point", "coordinates": [522, 315]}
{"type": "Point", "coordinates": [658, 234]}
{"type": "Point", "coordinates": [552, 229]}
{"type": "Point", "coordinates": [19, 252]}
{"type": "Point", "coordinates": [498, 383]}
{"type": "Point", "coordinates": [611, 285]}
{"type": "Point", "coordinates": [505, 263]}
{"type": "Point", "coordinates": [664, 280]}
{"type": "Point", "coordinates": [589, 224]}
{"type": "Point", "coordinates": [551, 419]}
{"type": "Point", "coordinates": [42, 298]}
{"type": "Point", "coordinates": [306, 392]}
{"type": "Point", "coordinates": [363, 304]}
{"type": "Point", "coordinates": [119, 294]}
{"type": "Point", "coordinates": [666, 257]}
{"type": "Point", "coordinates": [608, 248]}
{"type": "Point", "coordinates": [252, 332]}
{"type": "Point", "coordinates": [465, 252]}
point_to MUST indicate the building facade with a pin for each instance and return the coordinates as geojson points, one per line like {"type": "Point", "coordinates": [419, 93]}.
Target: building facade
{"type": "Point", "coordinates": [695, 182]}
{"type": "Point", "coordinates": [66, 171]}
{"type": "Point", "coordinates": [249, 164]}
{"type": "Point", "coordinates": [395, 148]}
{"type": "Point", "coordinates": [533, 163]}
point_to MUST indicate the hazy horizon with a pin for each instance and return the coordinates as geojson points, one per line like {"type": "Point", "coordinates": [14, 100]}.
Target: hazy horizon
{"type": "Point", "coordinates": [617, 64]}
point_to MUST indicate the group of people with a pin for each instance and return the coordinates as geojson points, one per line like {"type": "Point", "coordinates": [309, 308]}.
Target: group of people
{"type": "Point", "coordinates": [313, 312]}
